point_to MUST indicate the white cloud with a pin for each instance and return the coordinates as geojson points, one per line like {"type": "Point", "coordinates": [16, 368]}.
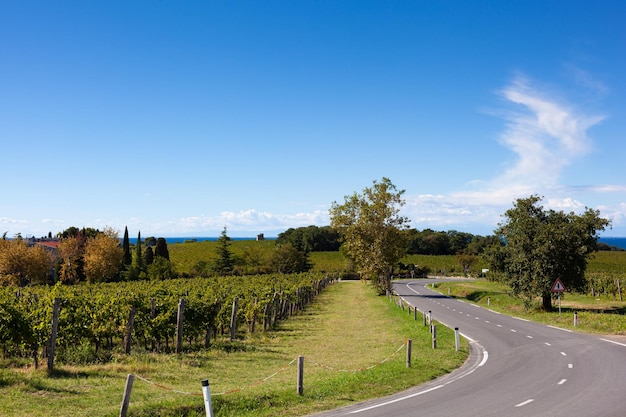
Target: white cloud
{"type": "Point", "coordinates": [546, 135]}
{"type": "Point", "coordinates": [249, 221]}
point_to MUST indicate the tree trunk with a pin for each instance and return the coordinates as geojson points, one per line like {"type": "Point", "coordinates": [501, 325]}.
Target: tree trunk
{"type": "Point", "coordinates": [547, 302]}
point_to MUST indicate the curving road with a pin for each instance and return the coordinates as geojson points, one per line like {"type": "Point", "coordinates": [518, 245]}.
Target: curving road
{"type": "Point", "coordinates": [516, 368]}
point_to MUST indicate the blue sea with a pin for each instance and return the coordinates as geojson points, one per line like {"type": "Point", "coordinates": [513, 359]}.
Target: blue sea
{"type": "Point", "coordinates": [620, 242]}
{"type": "Point", "coordinates": [173, 240]}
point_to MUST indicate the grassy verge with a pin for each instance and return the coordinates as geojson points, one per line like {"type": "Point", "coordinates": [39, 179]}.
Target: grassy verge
{"type": "Point", "coordinates": [351, 341]}
{"type": "Point", "coordinates": [601, 315]}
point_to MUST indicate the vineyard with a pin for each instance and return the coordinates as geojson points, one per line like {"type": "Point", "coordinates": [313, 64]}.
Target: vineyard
{"type": "Point", "coordinates": [99, 318]}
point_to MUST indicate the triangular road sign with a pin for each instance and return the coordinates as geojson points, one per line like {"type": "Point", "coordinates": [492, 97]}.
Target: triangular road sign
{"type": "Point", "coordinates": [558, 286]}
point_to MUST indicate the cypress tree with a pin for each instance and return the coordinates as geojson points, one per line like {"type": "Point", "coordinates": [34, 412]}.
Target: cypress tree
{"type": "Point", "coordinates": [138, 264]}
{"type": "Point", "coordinates": [127, 258]}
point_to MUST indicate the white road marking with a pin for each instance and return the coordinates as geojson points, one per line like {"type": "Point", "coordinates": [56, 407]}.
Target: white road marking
{"type": "Point", "coordinates": [396, 400]}
{"type": "Point", "coordinates": [524, 403]}
{"type": "Point", "coordinates": [561, 382]}
{"type": "Point", "coordinates": [614, 342]}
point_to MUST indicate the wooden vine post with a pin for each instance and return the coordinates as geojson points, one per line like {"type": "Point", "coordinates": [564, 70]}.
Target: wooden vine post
{"type": "Point", "coordinates": [233, 320]}
{"type": "Point", "coordinates": [53, 335]}
{"type": "Point", "coordinates": [179, 325]}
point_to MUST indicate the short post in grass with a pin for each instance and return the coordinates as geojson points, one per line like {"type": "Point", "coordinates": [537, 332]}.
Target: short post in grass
{"type": "Point", "coordinates": [575, 319]}
{"type": "Point", "coordinates": [488, 301]}
{"type": "Point", "coordinates": [409, 345]}
{"type": "Point", "coordinates": [126, 398]}
{"type": "Point", "coordinates": [424, 317]}
{"type": "Point", "coordinates": [179, 325]}
{"type": "Point", "coordinates": [457, 341]}
{"type": "Point", "coordinates": [414, 313]}
{"type": "Point", "coordinates": [430, 317]}
{"type": "Point", "coordinates": [300, 384]}
{"type": "Point", "coordinates": [233, 320]}
{"type": "Point", "coordinates": [206, 393]}
{"type": "Point", "coordinates": [53, 334]}
{"type": "Point", "coordinates": [433, 328]}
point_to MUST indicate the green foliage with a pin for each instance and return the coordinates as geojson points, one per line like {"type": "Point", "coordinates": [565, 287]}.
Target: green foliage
{"type": "Point", "coordinates": [289, 260]}
{"type": "Point", "coordinates": [311, 239]}
{"type": "Point", "coordinates": [543, 245]}
{"type": "Point", "coordinates": [224, 262]}
{"type": "Point", "coordinates": [160, 249]}
{"type": "Point", "coordinates": [372, 231]}
{"type": "Point", "coordinates": [97, 314]}
{"type": "Point", "coordinates": [127, 259]}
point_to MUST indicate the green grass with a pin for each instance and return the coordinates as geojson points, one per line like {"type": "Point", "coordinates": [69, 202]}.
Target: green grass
{"type": "Point", "coordinates": [600, 314]}
{"type": "Point", "coordinates": [346, 330]}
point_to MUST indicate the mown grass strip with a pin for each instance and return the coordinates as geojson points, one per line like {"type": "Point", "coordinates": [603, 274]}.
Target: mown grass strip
{"type": "Point", "coordinates": [599, 314]}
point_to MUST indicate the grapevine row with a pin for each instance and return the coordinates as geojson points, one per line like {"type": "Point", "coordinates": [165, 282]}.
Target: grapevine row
{"type": "Point", "coordinates": [98, 314]}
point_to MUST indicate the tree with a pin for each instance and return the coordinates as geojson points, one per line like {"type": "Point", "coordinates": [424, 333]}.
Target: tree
{"type": "Point", "coordinates": [103, 256]}
{"type": "Point", "coordinates": [538, 246]}
{"type": "Point", "coordinates": [71, 251]}
{"type": "Point", "coordinates": [21, 264]}
{"type": "Point", "coordinates": [372, 230]}
{"type": "Point", "coordinates": [224, 264]}
{"type": "Point", "coordinates": [148, 256]}
{"type": "Point", "coordinates": [311, 238]}
{"type": "Point", "coordinates": [127, 259]}
{"type": "Point", "coordinates": [160, 249]}
{"type": "Point", "coordinates": [289, 260]}
{"type": "Point", "coordinates": [138, 259]}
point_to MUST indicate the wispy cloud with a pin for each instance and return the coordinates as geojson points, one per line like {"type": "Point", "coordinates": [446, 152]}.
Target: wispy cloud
{"type": "Point", "coordinates": [250, 221]}
{"type": "Point", "coordinates": [546, 135]}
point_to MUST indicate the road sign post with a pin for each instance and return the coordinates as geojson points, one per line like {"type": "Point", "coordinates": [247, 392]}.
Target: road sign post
{"type": "Point", "coordinates": [558, 287]}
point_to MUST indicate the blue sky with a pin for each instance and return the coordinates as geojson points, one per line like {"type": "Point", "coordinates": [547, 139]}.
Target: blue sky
{"type": "Point", "coordinates": [180, 118]}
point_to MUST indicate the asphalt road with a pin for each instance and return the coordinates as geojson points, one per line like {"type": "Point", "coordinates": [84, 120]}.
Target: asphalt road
{"type": "Point", "coordinates": [515, 368]}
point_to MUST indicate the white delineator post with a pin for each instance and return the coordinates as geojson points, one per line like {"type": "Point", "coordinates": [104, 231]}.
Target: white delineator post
{"type": "Point", "coordinates": [206, 393]}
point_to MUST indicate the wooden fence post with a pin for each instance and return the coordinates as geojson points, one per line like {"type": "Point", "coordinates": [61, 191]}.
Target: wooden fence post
{"type": "Point", "coordinates": [179, 325]}
{"type": "Point", "coordinates": [233, 320]}
{"type": "Point", "coordinates": [53, 335]}
{"type": "Point", "coordinates": [126, 397]}
{"type": "Point", "coordinates": [300, 386]}
{"type": "Point", "coordinates": [409, 345]}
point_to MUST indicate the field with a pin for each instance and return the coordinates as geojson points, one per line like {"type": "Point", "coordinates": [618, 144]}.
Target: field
{"type": "Point", "coordinates": [346, 330]}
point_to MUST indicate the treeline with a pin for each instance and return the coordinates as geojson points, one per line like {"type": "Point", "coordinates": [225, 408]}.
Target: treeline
{"type": "Point", "coordinates": [425, 242]}
{"type": "Point", "coordinates": [90, 255]}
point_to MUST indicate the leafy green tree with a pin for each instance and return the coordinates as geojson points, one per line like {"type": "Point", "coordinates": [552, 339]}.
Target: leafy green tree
{"type": "Point", "coordinates": [538, 246]}
{"type": "Point", "coordinates": [372, 230]}
{"type": "Point", "coordinates": [311, 238]}
{"type": "Point", "coordinates": [224, 264]}
{"type": "Point", "coordinates": [160, 269]}
{"type": "Point", "coordinates": [150, 241]}
{"type": "Point", "coordinates": [160, 249]}
{"type": "Point", "coordinates": [148, 256]}
{"type": "Point", "coordinates": [289, 260]}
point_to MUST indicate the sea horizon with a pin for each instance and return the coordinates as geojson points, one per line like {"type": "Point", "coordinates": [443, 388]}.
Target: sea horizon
{"type": "Point", "coordinates": [619, 242]}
